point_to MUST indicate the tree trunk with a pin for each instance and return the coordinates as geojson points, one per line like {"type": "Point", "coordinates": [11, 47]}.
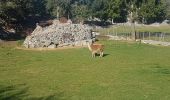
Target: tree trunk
{"type": "Point", "coordinates": [133, 32]}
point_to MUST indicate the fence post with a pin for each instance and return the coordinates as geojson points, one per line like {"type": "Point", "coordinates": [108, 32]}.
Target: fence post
{"type": "Point", "coordinates": [149, 35]}
{"type": "Point", "coordinates": [155, 36]}
{"type": "Point", "coordinates": [161, 36]}
{"type": "Point", "coordinates": [143, 35]}
{"type": "Point", "coordinates": [164, 36]}
{"type": "Point", "coordinates": [107, 31]}
{"type": "Point", "coordinates": [113, 30]}
{"type": "Point", "coordinates": [116, 32]}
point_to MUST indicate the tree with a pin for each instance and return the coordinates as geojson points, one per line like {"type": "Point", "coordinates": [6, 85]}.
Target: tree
{"type": "Point", "coordinates": [80, 12]}
{"type": "Point", "coordinates": [7, 12]}
{"type": "Point", "coordinates": [117, 10]}
{"type": "Point", "coordinates": [167, 3]}
{"type": "Point", "coordinates": [152, 12]}
{"type": "Point", "coordinates": [145, 11]}
{"type": "Point", "coordinates": [17, 11]}
{"type": "Point", "coordinates": [99, 9]}
{"type": "Point", "coordinates": [59, 8]}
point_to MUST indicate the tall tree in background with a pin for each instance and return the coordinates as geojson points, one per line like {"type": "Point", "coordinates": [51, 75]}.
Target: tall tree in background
{"type": "Point", "coordinates": [167, 2]}
{"type": "Point", "coordinates": [7, 12]}
{"type": "Point", "coordinates": [53, 7]}
{"type": "Point", "coordinates": [133, 7]}
{"type": "Point", "coordinates": [17, 11]}
{"type": "Point", "coordinates": [99, 9]}
{"type": "Point", "coordinates": [59, 8]}
{"type": "Point", "coordinates": [117, 10]}
{"type": "Point", "coordinates": [144, 11]}
{"type": "Point", "coordinates": [80, 12]}
{"type": "Point", "coordinates": [152, 11]}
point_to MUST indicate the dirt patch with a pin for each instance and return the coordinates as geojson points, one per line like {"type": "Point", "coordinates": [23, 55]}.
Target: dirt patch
{"type": "Point", "coordinates": [15, 45]}
{"type": "Point", "coordinates": [8, 43]}
{"type": "Point", "coordinates": [50, 49]}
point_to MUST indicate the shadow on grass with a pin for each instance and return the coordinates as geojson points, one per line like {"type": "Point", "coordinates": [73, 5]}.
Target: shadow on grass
{"type": "Point", "coordinates": [104, 55]}
{"type": "Point", "coordinates": [20, 92]}
{"type": "Point", "coordinates": [162, 71]}
{"type": "Point", "coordinates": [14, 92]}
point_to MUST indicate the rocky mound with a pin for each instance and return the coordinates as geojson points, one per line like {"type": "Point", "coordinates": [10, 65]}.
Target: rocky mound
{"type": "Point", "coordinates": [59, 35]}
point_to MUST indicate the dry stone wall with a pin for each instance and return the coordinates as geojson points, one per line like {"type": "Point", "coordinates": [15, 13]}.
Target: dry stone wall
{"type": "Point", "coordinates": [59, 35]}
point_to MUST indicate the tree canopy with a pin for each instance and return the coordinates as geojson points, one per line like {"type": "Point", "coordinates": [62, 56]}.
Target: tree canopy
{"type": "Point", "coordinates": [143, 11]}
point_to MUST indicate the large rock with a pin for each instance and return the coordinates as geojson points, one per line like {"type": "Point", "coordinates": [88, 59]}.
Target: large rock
{"type": "Point", "coordinates": [58, 35]}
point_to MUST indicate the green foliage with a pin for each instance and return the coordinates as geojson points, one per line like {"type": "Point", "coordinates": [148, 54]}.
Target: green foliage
{"type": "Point", "coordinates": [144, 11]}
{"type": "Point", "coordinates": [20, 42]}
{"type": "Point", "coordinates": [99, 8]}
{"type": "Point", "coordinates": [16, 11]}
{"type": "Point", "coordinates": [80, 12]}
{"type": "Point", "coordinates": [152, 12]}
{"type": "Point", "coordinates": [117, 10]}
{"type": "Point", "coordinates": [167, 2]}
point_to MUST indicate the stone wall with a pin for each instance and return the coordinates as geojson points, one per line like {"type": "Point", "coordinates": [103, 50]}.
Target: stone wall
{"type": "Point", "coordinates": [59, 35]}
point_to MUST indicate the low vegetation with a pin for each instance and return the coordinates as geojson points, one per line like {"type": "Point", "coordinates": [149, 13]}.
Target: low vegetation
{"type": "Point", "coordinates": [130, 71]}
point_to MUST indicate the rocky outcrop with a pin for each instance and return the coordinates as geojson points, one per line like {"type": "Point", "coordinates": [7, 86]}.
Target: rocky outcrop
{"type": "Point", "coordinates": [59, 35]}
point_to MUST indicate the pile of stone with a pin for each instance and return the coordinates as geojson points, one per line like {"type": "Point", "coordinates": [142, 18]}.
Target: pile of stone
{"type": "Point", "coordinates": [152, 42]}
{"type": "Point", "coordinates": [59, 35]}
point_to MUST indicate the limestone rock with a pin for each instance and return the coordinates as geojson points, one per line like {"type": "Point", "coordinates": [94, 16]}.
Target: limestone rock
{"type": "Point", "coordinates": [52, 46]}
{"type": "Point", "coordinates": [59, 35]}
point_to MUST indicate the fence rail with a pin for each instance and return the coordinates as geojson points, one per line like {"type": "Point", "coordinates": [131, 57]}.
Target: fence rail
{"type": "Point", "coordinates": [143, 32]}
{"type": "Point", "coordinates": [156, 36]}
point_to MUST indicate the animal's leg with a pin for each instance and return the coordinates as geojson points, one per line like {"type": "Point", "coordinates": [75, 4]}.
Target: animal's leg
{"type": "Point", "coordinates": [93, 54]}
{"type": "Point", "coordinates": [101, 54]}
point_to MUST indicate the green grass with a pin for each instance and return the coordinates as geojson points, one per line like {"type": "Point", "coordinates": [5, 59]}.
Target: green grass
{"type": "Point", "coordinates": [129, 71]}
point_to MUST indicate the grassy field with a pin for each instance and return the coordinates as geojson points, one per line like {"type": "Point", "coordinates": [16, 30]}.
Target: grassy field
{"type": "Point", "coordinates": [128, 71]}
{"type": "Point", "coordinates": [128, 29]}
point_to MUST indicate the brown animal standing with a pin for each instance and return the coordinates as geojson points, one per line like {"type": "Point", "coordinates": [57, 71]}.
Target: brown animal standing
{"type": "Point", "coordinates": [96, 48]}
